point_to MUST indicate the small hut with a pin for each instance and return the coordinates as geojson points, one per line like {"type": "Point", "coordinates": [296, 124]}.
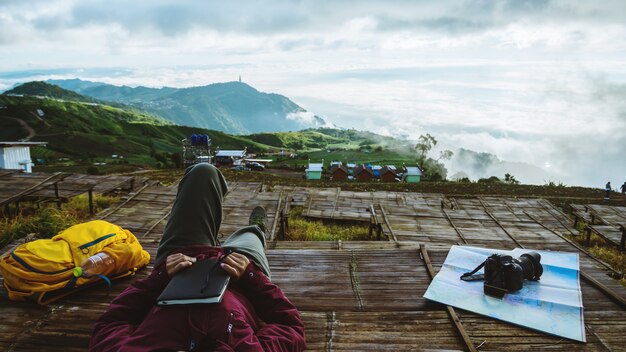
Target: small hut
{"type": "Point", "coordinates": [388, 173]}
{"type": "Point", "coordinates": [362, 173]}
{"type": "Point", "coordinates": [339, 172]}
{"type": "Point", "coordinates": [314, 171]}
{"type": "Point", "coordinates": [412, 174]}
{"type": "Point", "coordinates": [229, 157]}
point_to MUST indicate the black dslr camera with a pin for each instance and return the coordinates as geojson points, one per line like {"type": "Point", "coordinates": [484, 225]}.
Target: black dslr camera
{"type": "Point", "coordinates": [505, 274]}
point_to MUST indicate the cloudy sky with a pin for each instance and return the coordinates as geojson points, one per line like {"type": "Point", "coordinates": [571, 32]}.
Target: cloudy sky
{"type": "Point", "coordinates": [542, 82]}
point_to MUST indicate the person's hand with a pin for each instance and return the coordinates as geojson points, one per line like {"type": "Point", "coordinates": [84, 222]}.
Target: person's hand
{"type": "Point", "coordinates": [176, 262]}
{"type": "Point", "coordinates": [235, 265]}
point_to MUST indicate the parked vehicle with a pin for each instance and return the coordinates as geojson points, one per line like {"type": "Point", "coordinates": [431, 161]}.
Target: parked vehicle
{"type": "Point", "coordinates": [254, 166]}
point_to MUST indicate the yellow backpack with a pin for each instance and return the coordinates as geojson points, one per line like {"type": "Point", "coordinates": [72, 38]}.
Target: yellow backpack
{"type": "Point", "coordinates": [42, 270]}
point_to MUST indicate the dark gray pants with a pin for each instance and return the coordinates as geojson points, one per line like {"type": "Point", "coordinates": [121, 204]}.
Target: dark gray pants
{"type": "Point", "coordinates": [197, 215]}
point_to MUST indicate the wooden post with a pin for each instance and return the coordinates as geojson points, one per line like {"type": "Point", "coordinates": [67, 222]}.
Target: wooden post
{"type": "Point", "coordinates": [286, 223]}
{"type": "Point", "coordinates": [283, 224]}
{"type": "Point", "coordinates": [623, 240]}
{"type": "Point", "coordinates": [91, 210]}
{"type": "Point", "coordinates": [588, 239]}
{"type": "Point", "coordinates": [56, 194]}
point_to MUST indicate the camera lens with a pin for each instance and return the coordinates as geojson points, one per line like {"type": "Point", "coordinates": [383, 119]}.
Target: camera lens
{"type": "Point", "coordinates": [531, 265]}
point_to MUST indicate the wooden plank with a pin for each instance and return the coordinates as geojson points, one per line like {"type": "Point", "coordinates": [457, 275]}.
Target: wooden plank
{"type": "Point", "coordinates": [106, 214]}
{"type": "Point", "coordinates": [451, 312]}
{"type": "Point", "coordinates": [31, 189]}
{"type": "Point", "coordinates": [454, 226]}
{"type": "Point", "coordinates": [382, 212]}
{"type": "Point", "coordinates": [580, 248]}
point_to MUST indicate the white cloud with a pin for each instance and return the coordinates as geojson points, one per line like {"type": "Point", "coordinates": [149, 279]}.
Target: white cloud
{"type": "Point", "coordinates": [519, 79]}
{"type": "Point", "coordinates": [302, 116]}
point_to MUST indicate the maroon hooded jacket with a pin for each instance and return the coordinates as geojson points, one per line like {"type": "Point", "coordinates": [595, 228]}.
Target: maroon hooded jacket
{"type": "Point", "coordinates": [254, 315]}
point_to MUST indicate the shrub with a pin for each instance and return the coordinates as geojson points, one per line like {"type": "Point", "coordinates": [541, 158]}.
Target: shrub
{"type": "Point", "coordinates": [161, 158]}
{"type": "Point", "coordinates": [492, 179]}
{"type": "Point", "coordinates": [48, 221]}
{"type": "Point", "coordinates": [93, 170]}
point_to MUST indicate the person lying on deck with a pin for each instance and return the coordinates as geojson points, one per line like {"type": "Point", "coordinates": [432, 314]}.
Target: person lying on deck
{"type": "Point", "coordinates": [254, 314]}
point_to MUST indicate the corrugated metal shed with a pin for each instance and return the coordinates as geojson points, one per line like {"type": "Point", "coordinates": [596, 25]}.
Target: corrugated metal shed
{"type": "Point", "coordinates": [16, 155]}
{"type": "Point", "coordinates": [315, 167]}
{"type": "Point", "coordinates": [413, 171]}
{"type": "Point", "coordinates": [231, 153]}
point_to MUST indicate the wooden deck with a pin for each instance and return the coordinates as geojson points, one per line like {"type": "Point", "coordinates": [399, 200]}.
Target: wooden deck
{"type": "Point", "coordinates": [608, 222]}
{"type": "Point", "coordinates": [16, 187]}
{"type": "Point", "coordinates": [358, 296]}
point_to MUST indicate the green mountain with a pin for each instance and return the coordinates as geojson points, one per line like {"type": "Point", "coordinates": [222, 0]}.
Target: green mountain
{"type": "Point", "coordinates": [85, 132]}
{"type": "Point", "coordinates": [232, 107]}
{"type": "Point", "coordinates": [43, 89]}
{"type": "Point", "coordinates": [327, 139]}
{"type": "Point", "coordinates": [80, 131]}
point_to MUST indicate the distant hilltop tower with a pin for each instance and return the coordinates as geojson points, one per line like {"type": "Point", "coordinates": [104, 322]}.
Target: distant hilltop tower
{"type": "Point", "coordinates": [239, 78]}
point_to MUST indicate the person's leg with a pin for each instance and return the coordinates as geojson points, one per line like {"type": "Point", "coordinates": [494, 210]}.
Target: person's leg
{"type": "Point", "coordinates": [250, 240]}
{"type": "Point", "coordinates": [197, 211]}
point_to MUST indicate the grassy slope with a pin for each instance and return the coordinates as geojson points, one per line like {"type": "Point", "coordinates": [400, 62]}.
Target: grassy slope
{"type": "Point", "coordinates": [89, 132]}
{"type": "Point", "coordinates": [335, 144]}
{"type": "Point", "coordinates": [97, 131]}
{"type": "Point", "coordinates": [78, 130]}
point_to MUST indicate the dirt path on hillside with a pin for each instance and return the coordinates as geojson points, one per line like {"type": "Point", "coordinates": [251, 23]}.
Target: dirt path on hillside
{"type": "Point", "coordinates": [30, 130]}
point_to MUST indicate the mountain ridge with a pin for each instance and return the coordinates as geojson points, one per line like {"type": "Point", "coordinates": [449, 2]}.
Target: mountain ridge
{"type": "Point", "coordinates": [83, 132]}
{"type": "Point", "coordinates": [232, 107]}
{"type": "Point", "coordinates": [44, 89]}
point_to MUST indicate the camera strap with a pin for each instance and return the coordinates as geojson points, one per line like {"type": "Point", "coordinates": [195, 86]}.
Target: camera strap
{"type": "Point", "coordinates": [471, 277]}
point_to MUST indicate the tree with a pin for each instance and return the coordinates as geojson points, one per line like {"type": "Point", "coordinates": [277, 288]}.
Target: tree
{"type": "Point", "coordinates": [424, 144]}
{"type": "Point", "coordinates": [298, 145]}
{"type": "Point", "coordinates": [492, 179]}
{"type": "Point", "coordinates": [151, 147]}
{"type": "Point", "coordinates": [433, 170]}
{"type": "Point", "coordinates": [510, 179]}
{"type": "Point", "coordinates": [177, 159]}
{"type": "Point", "coordinates": [160, 157]}
{"type": "Point", "coordinates": [445, 155]}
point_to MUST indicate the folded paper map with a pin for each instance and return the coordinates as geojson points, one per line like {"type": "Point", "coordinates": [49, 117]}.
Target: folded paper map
{"type": "Point", "coordinates": [552, 305]}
